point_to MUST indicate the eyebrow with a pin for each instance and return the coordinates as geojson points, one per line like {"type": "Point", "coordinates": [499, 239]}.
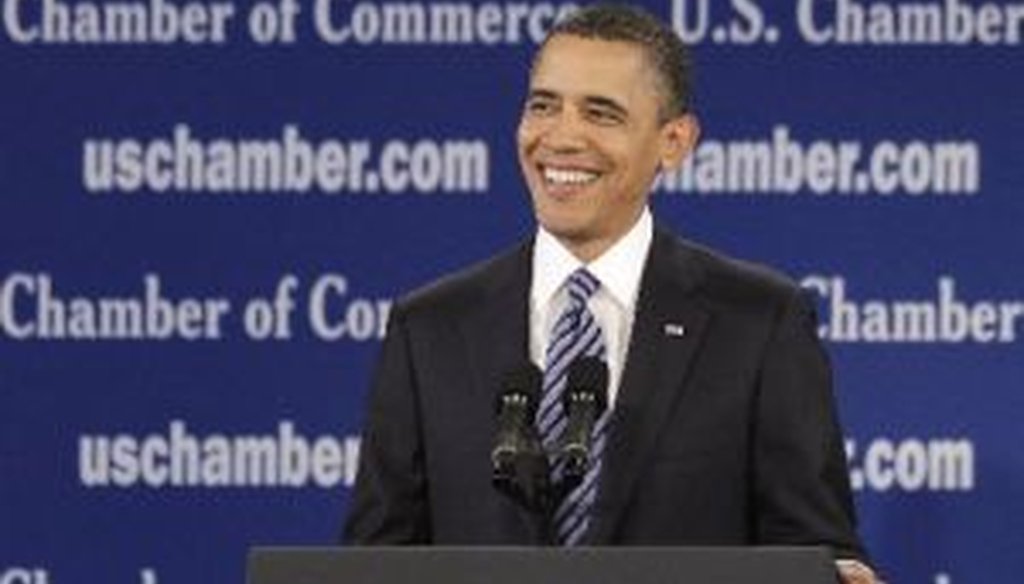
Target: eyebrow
{"type": "Point", "coordinates": [547, 94]}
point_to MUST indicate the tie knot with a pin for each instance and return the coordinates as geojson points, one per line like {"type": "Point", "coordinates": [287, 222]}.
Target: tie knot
{"type": "Point", "coordinates": [582, 285]}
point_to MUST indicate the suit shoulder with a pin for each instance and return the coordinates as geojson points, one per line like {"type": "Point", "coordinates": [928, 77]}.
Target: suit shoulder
{"type": "Point", "coordinates": [732, 281]}
{"type": "Point", "coordinates": [464, 288]}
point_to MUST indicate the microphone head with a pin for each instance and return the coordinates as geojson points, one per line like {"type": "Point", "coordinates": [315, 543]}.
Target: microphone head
{"type": "Point", "coordinates": [520, 384]}
{"type": "Point", "coordinates": [588, 378]}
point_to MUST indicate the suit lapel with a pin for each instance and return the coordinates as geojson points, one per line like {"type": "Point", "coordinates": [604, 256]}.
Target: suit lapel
{"type": "Point", "coordinates": [495, 330]}
{"type": "Point", "coordinates": [667, 332]}
{"type": "Point", "coordinates": [495, 333]}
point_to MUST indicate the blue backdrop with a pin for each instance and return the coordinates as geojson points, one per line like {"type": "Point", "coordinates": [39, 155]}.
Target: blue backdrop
{"type": "Point", "coordinates": [207, 207]}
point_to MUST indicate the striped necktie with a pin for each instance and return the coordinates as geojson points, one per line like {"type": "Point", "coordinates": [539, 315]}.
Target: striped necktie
{"type": "Point", "coordinates": [576, 334]}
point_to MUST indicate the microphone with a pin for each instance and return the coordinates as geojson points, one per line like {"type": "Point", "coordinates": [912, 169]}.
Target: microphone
{"type": "Point", "coordinates": [585, 399]}
{"type": "Point", "coordinates": [518, 463]}
{"type": "Point", "coordinates": [515, 409]}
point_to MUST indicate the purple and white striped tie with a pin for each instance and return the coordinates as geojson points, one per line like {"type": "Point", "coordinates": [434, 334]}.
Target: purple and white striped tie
{"type": "Point", "coordinates": [575, 334]}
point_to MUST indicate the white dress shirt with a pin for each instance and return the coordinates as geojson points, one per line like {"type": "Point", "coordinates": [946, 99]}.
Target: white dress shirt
{"type": "Point", "coordinates": [618, 269]}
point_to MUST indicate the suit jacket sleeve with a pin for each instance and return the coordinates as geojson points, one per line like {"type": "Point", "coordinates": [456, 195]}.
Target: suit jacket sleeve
{"type": "Point", "coordinates": [389, 504]}
{"type": "Point", "coordinates": [800, 475]}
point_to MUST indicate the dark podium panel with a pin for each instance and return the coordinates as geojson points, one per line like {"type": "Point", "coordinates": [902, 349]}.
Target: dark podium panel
{"type": "Point", "coordinates": [510, 565]}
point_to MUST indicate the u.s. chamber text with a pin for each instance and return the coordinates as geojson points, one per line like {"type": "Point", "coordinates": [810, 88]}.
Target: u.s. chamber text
{"type": "Point", "coordinates": [337, 23]}
{"type": "Point", "coordinates": [782, 163]}
{"type": "Point", "coordinates": [37, 306]}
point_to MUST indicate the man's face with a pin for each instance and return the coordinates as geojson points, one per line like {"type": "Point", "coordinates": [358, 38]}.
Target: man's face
{"type": "Point", "coordinates": [590, 141]}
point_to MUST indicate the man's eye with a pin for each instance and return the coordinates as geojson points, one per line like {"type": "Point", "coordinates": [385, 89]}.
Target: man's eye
{"type": "Point", "coordinates": [540, 107]}
{"type": "Point", "coordinates": [604, 116]}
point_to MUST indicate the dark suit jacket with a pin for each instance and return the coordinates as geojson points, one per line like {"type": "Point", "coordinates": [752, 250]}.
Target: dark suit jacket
{"type": "Point", "coordinates": [726, 435]}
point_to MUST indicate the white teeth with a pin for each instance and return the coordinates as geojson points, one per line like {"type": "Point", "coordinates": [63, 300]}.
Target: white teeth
{"type": "Point", "coordinates": [568, 177]}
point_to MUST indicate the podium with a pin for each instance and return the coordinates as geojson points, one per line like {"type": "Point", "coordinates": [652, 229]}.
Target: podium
{"type": "Point", "coordinates": [525, 565]}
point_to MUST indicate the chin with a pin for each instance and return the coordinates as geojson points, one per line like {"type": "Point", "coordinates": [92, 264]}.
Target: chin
{"type": "Point", "coordinates": [564, 228]}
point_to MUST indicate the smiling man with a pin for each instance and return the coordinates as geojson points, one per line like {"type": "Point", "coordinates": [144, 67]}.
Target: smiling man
{"type": "Point", "coordinates": [597, 127]}
{"type": "Point", "coordinates": [720, 427]}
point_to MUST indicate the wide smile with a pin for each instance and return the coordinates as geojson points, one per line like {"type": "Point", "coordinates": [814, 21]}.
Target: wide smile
{"type": "Point", "coordinates": [564, 179]}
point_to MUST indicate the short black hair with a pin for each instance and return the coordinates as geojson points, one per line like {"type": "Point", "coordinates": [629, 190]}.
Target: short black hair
{"type": "Point", "coordinates": [666, 52]}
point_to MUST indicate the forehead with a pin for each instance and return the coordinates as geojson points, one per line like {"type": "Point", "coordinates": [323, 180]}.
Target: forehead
{"type": "Point", "coordinates": [574, 66]}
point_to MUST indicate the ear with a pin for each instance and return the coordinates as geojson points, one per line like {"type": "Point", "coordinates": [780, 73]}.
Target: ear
{"type": "Point", "coordinates": [678, 139]}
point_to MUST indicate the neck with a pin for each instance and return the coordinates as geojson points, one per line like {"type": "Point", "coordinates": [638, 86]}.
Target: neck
{"type": "Point", "coordinates": [587, 250]}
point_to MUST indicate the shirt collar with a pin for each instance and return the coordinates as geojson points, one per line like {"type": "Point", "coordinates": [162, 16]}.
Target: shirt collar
{"type": "Point", "coordinates": [619, 268]}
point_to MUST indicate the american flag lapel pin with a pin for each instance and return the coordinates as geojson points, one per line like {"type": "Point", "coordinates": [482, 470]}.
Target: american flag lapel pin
{"type": "Point", "coordinates": [674, 329]}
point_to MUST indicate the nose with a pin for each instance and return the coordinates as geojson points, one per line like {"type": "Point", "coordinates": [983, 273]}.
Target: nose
{"type": "Point", "coordinates": [565, 133]}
